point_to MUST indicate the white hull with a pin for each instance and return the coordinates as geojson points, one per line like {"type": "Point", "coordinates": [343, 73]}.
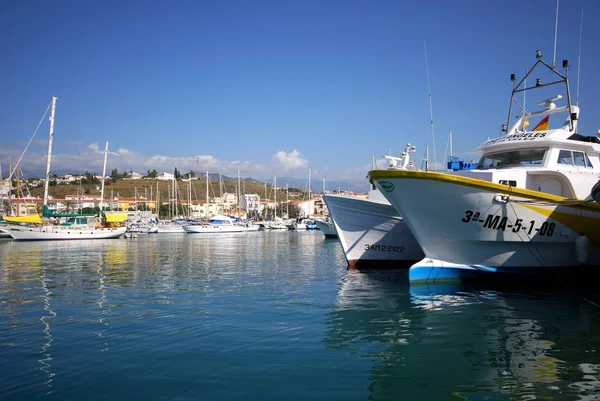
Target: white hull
{"type": "Point", "coordinates": [470, 228]}
{"type": "Point", "coordinates": [327, 228]}
{"type": "Point", "coordinates": [198, 229]}
{"type": "Point", "coordinates": [371, 233]}
{"type": "Point", "coordinates": [162, 229]}
{"type": "Point", "coordinates": [50, 233]}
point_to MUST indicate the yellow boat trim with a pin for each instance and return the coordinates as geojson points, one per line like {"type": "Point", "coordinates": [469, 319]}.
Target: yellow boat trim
{"type": "Point", "coordinates": [31, 219]}
{"type": "Point", "coordinates": [479, 184]}
{"type": "Point", "coordinates": [581, 224]}
{"type": "Point", "coordinates": [115, 217]}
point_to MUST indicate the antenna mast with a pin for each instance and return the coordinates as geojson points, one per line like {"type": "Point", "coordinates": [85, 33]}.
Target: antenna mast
{"type": "Point", "coordinates": [555, 35]}
{"type": "Point", "coordinates": [579, 59]}
{"type": "Point", "coordinates": [430, 107]}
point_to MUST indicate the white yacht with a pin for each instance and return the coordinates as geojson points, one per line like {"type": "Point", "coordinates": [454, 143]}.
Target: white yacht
{"type": "Point", "coordinates": [525, 208]}
{"type": "Point", "coordinates": [219, 224]}
{"type": "Point", "coordinates": [371, 231]}
{"type": "Point", "coordinates": [169, 227]}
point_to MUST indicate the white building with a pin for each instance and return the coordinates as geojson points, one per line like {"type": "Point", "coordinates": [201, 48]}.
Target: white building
{"type": "Point", "coordinates": [165, 177]}
{"type": "Point", "coordinates": [250, 203]}
{"type": "Point", "coordinates": [134, 176]}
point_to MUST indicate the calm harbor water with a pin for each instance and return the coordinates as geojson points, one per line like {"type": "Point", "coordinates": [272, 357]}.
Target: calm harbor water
{"type": "Point", "coordinates": [273, 315]}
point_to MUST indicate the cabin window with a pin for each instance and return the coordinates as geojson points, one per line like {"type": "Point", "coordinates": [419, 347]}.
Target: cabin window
{"type": "Point", "coordinates": [512, 183]}
{"type": "Point", "coordinates": [579, 159]}
{"type": "Point", "coordinates": [512, 158]}
{"type": "Point", "coordinates": [565, 157]}
{"type": "Point", "coordinates": [574, 158]}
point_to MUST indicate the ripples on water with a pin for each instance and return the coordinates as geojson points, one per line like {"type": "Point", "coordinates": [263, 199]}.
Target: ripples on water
{"type": "Point", "coordinates": [273, 315]}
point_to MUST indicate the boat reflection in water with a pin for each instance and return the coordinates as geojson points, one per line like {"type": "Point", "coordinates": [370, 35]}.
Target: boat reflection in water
{"type": "Point", "coordinates": [458, 342]}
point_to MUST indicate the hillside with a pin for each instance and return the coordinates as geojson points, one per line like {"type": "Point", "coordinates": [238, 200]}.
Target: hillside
{"type": "Point", "coordinates": [148, 187]}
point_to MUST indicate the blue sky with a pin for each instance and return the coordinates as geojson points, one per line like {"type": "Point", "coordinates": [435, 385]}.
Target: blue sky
{"type": "Point", "coordinates": [273, 87]}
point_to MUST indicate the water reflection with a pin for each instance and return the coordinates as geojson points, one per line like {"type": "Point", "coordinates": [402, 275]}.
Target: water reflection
{"type": "Point", "coordinates": [46, 320]}
{"type": "Point", "coordinates": [467, 343]}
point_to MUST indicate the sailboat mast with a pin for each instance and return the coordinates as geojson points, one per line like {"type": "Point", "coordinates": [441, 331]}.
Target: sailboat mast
{"type": "Point", "coordinates": [275, 194]}
{"type": "Point", "coordinates": [49, 157]}
{"type": "Point", "coordinates": [103, 175]}
{"type": "Point", "coordinates": [206, 193]}
{"type": "Point", "coordinates": [450, 143]}
{"type": "Point", "coordinates": [18, 190]}
{"type": "Point", "coordinates": [309, 204]}
{"type": "Point", "coordinates": [239, 191]}
{"type": "Point", "coordinates": [287, 201]}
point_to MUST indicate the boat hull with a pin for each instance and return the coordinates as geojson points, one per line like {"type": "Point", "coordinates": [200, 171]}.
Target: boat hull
{"type": "Point", "coordinates": [372, 234]}
{"type": "Point", "coordinates": [206, 229]}
{"type": "Point", "coordinates": [471, 229]}
{"type": "Point", "coordinates": [327, 228]}
{"type": "Point", "coordinates": [170, 229]}
{"type": "Point", "coordinates": [56, 233]}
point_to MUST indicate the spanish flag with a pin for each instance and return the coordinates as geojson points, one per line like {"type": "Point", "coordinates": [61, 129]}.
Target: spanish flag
{"type": "Point", "coordinates": [542, 125]}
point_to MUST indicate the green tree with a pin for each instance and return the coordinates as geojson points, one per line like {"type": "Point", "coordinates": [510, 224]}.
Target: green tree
{"type": "Point", "coordinates": [152, 174]}
{"type": "Point", "coordinates": [176, 174]}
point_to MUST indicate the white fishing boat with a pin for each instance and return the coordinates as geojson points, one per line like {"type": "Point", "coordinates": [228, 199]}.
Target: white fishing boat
{"type": "Point", "coordinates": [371, 231]}
{"type": "Point", "coordinates": [219, 224]}
{"type": "Point", "coordinates": [525, 209]}
{"type": "Point", "coordinates": [55, 226]}
{"type": "Point", "coordinates": [326, 226]}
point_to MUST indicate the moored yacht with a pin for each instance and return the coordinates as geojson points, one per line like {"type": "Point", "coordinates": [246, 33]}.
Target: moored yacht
{"type": "Point", "coordinates": [371, 231]}
{"type": "Point", "coordinates": [523, 210]}
{"type": "Point", "coordinates": [219, 224]}
{"type": "Point", "coordinates": [55, 226]}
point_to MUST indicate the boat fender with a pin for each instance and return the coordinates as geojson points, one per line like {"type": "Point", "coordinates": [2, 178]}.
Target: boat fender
{"type": "Point", "coordinates": [581, 249]}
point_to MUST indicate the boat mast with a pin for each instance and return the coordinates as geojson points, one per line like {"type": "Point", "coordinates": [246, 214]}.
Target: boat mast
{"type": "Point", "coordinates": [206, 193]}
{"type": "Point", "coordinates": [18, 190]}
{"type": "Point", "coordinates": [450, 134]}
{"type": "Point", "coordinates": [579, 60]}
{"type": "Point", "coordinates": [103, 174]}
{"type": "Point", "coordinates": [49, 156]}
{"type": "Point", "coordinates": [239, 193]}
{"type": "Point", "coordinates": [430, 108]}
{"type": "Point", "coordinates": [275, 195]}
{"type": "Point", "coordinates": [287, 201]}
{"type": "Point", "coordinates": [309, 204]}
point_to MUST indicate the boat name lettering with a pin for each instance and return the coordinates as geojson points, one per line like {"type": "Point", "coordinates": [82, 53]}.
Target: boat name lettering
{"type": "Point", "coordinates": [384, 248]}
{"type": "Point", "coordinates": [502, 223]}
{"type": "Point", "coordinates": [526, 136]}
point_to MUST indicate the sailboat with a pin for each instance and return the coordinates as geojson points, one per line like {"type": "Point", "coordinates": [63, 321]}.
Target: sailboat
{"type": "Point", "coordinates": [55, 226]}
{"type": "Point", "coordinates": [277, 223]}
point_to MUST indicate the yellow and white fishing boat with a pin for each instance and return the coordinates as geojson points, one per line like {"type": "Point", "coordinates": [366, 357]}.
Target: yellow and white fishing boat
{"type": "Point", "coordinates": [525, 209]}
